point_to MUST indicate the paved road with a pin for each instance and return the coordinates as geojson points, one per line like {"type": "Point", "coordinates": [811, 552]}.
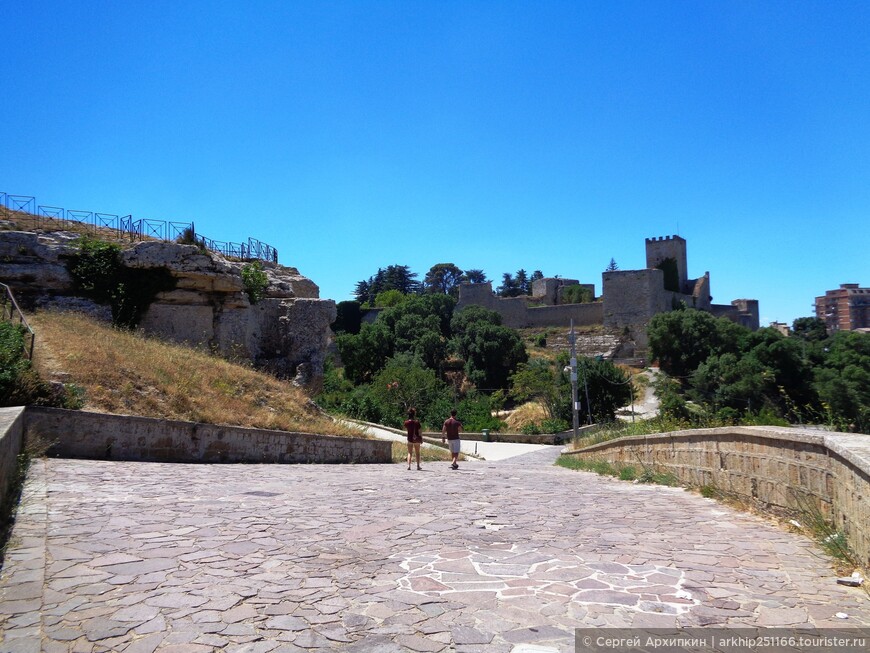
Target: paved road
{"type": "Point", "coordinates": [503, 556]}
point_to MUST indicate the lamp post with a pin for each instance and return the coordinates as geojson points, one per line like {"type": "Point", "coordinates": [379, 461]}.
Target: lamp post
{"type": "Point", "coordinates": [572, 339]}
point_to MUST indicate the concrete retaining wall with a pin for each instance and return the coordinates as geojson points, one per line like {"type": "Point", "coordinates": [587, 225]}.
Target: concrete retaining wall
{"type": "Point", "coordinates": [78, 434]}
{"type": "Point", "coordinates": [11, 438]}
{"type": "Point", "coordinates": [798, 470]}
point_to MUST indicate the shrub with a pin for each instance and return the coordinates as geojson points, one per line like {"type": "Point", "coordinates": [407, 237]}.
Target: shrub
{"type": "Point", "coordinates": [19, 383]}
{"type": "Point", "coordinates": [554, 426]}
{"type": "Point", "coordinates": [475, 411]}
{"type": "Point", "coordinates": [255, 281]}
{"type": "Point", "coordinates": [189, 237]}
{"type": "Point", "coordinates": [576, 294]}
{"type": "Point", "coordinates": [100, 275]}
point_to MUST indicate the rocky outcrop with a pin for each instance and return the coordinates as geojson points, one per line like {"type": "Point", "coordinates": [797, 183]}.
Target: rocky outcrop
{"type": "Point", "coordinates": [286, 332]}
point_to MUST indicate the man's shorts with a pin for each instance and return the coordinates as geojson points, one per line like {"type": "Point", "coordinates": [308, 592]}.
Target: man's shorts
{"type": "Point", "coordinates": [454, 445]}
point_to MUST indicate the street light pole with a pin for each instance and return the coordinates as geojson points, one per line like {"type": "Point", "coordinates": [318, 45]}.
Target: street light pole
{"type": "Point", "coordinates": [572, 338]}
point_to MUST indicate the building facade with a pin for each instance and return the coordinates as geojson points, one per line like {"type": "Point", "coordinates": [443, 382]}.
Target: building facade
{"type": "Point", "coordinates": [845, 309]}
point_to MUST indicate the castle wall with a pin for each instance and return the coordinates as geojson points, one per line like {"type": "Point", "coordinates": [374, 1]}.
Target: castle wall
{"type": "Point", "coordinates": [701, 293]}
{"type": "Point", "coordinates": [747, 312]}
{"type": "Point", "coordinates": [632, 297]}
{"type": "Point", "coordinates": [664, 247]}
{"type": "Point", "coordinates": [517, 314]}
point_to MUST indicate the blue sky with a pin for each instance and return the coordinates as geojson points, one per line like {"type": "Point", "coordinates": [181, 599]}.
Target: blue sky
{"type": "Point", "coordinates": [493, 135]}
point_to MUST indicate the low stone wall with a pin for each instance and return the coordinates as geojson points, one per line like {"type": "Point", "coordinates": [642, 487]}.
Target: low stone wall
{"type": "Point", "coordinates": [79, 434]}
{"type": "Point", "coordinates": [794, 469]}
{"type": "Point", "coordinates": [11, 431]}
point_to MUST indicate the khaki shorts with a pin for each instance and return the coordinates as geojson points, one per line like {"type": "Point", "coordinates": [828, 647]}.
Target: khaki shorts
{"type": "Point", "coordinates": [454, 445]}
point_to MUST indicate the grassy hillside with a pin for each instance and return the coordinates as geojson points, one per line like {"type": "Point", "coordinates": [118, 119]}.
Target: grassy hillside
{"type": "Point", "coordinates": [124, 372]}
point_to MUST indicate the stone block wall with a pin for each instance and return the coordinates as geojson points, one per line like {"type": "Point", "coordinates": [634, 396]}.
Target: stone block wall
{"type": "Point", "coordinates": [632, 297]}
{"type": "Point", "coordinates": [79, 434]}
{"type": "Point", "coordinates": [665, 247]}
{"type": "Point", "coordinates": [792, 469]}
{"type": "Point", "coordinates": [517, 314]}
{"type": "Point", "coordinates": [11, 432]}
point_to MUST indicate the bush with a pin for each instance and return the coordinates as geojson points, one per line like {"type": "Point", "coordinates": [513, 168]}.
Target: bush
{"type": "Point", "coordinates": [96, 268]}
{"type": "Point", "coordinates": [475, 411]}
{"type": "Point", "coordinates": [255, 281]}
{"type": "Point", "coordinates": [554, 426]}
{"type": "Point", "coordinates": [100, 275]}
{"type": "Point", "coordinates": [576, 294]}
{"type": "Point", "coordinates": [19, 383]}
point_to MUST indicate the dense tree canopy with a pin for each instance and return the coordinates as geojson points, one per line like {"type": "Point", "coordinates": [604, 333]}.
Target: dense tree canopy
{"type": "Point", "coordinates": [394, 277]}
{"type": "Point", "coordinates": [806, 377]}
{"type": "Point", "coordinates": [518, 284]}
{"type": "Point", "coordinates": [548, 383]}
{"type": "Point", "coordinates": [681, 340]}
{"type": "Point", "coordinates": [443, 278]}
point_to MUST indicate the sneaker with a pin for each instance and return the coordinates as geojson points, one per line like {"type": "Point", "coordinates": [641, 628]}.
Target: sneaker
{"type": "Point", "coordinates": [455, 466]}
{"type": "Point", "coordinates": [419, 468]}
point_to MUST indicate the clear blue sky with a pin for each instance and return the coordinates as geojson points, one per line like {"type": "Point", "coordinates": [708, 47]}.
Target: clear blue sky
{"type": "Point", "coordinates": [493, 135]}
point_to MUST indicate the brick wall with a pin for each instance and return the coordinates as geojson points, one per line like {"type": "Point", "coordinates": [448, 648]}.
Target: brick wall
{"type": "Point", "coordinates": [784, 468]}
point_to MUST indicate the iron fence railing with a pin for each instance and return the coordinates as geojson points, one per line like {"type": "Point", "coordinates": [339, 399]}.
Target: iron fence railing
{"type": "Point", "coordinates": [55, 217]}
{"type": "Point", "coordinates": [11, 313]}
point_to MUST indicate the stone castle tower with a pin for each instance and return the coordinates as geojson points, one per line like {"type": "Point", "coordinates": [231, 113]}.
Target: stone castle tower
{"type": "Point", "coordinates": [659, 250]}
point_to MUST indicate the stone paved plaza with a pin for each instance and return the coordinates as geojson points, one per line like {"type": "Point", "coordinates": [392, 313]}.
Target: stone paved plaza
{"type": "Point", "coordinates": [497, 556]}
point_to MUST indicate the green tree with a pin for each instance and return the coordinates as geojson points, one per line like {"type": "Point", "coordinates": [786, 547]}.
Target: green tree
{"type": "Point", "coordinates": [843, 380]}
{"type": "Point", "coordinates": [405, 382]}
{"type": "Point", "coordinates": [365, 353]}
{"type": "Point", "coordinates": [421, 336]}
{"type": "Point", "coordinates": [509, 286]}
{"type": "Point", "coordinates": [811, 329]}
{"type": "Point", "coordinates": [441, 306]}
{"type": "Point", "coordinates": [389, 298]}
{"type": "Point", "coordinates": [612, 266]}
{"type": "Point", "coordinates": [474, 276]}
{"type": "Point", "coordinates": [539, 380]}
{"type": "Point", "coordinates": [471, 314]}
{"type": "Point", "coordinates": [393, 277]}
{"type": "Point", "coordinates": [576, 294]}
{"type": "Point", "coordinates": [609, 389]}
{"type": "Point", "coordinates": [348, 317]}
{"type": "Point", "coordinates": [443, 278]}
{"type": "Point", "coordinates": [683, 339]}
{"type": "Point", "coordinates": [491, 352]}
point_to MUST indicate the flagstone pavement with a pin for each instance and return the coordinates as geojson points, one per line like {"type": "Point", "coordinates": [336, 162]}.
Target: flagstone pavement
{"type": "Point", "coordinates": [503, 556]}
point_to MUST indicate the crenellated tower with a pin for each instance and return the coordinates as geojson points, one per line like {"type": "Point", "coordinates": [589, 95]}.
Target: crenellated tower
{"type": "Point", "coordinates": [668, 253]}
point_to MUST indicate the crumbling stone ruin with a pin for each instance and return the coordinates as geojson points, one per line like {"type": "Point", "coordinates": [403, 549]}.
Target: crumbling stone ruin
{"type": "Point", "coordinates": [285, 332]}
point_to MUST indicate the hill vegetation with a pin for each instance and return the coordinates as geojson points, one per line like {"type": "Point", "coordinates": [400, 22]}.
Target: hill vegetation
{"type": "Point", "coordinates": [106, 369]}
{"type": "Point", "coordinates": [733, 374]}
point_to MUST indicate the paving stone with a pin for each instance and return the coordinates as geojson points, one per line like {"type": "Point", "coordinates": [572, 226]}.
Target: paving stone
{"type": "Point", "coordinates": [336, 559]}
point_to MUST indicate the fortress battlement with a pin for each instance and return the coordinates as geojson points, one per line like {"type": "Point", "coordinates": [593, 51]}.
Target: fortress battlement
{"type": "Point", "coordinates": [657, 238]}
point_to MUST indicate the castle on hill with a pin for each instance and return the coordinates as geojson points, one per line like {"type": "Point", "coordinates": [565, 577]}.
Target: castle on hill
{"type": "Point", "coordinates": [629, 300]}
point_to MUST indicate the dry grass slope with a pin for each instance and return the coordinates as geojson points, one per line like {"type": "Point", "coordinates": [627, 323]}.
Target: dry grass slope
{"type": "Point", "coordinates": [127, 373]}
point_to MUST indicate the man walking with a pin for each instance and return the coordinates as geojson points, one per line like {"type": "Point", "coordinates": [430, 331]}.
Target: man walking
{"type": "Point", "coordinates": [451, 430]}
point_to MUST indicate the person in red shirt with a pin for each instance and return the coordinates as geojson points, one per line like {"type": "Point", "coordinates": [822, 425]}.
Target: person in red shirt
{"type": "Point", "coordinates": [451, 429]}
{"type": "Point", "coordinates": [415, 439]}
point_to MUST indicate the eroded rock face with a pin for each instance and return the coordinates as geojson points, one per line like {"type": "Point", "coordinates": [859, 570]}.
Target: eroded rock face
{"type": "Point", "coordinates": [287, 332]}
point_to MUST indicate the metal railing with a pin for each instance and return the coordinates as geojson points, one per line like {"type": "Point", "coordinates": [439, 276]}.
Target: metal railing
{"type": "Point", "coordinates": [11, 313]}
{"type": "Point", "coordinates": [55, 217]}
